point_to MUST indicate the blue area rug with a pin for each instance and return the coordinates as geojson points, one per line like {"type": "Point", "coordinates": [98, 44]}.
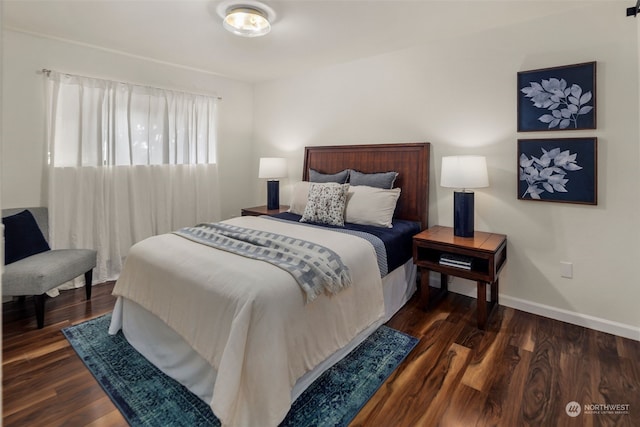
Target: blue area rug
{"type": "Point", "coordinates": [147, 397]}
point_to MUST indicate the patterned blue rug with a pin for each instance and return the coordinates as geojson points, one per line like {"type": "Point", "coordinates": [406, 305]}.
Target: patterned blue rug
{"type": "Point", "coordinates": [147, 397]}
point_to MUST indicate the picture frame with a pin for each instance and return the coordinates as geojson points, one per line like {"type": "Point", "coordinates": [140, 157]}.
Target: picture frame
{"type": "Point", "coordinates": [561, 170]}
{"type": "Point", "coordinates": [557, 98]}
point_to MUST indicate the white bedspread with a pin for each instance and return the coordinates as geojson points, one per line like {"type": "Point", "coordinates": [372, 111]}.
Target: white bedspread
{"type": "Point", "coordinates": [248, 318]}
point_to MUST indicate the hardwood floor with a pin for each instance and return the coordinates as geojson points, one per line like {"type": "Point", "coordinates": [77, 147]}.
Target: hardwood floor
{"type": "Point", "coordinates": [522, 371]}
{"type": "Point", "coordinates": [44, 383]}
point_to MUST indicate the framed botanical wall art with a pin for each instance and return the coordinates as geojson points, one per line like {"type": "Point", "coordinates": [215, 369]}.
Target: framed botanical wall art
{"type": "Point", "coordinates": [558, 98]}
{"type": "Point", "coordinates": [558, 170]}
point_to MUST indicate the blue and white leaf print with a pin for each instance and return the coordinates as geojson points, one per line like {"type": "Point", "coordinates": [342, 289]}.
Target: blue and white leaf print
{"type": "Point", "coordinates": [564, 102]}
{"type": "Point", "coordinates": [547, 172]}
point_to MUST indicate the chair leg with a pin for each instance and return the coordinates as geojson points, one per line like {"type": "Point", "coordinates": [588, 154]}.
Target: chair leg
{"type": "Point", "coordinates": [88, 278]}
{"type": "Point", "coordinates": [38, 300]}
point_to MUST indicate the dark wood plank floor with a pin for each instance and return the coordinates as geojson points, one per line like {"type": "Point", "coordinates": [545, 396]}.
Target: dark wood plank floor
{"type": "Point", "coordinates": [522, 371]}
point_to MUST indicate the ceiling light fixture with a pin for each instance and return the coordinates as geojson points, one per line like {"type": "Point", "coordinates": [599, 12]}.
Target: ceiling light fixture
{"type": "Point", "coordinates": [247, 21]}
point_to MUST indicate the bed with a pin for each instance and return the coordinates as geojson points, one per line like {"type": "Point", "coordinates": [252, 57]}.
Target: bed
{"type": "Point", "coordinates": [238, 332]}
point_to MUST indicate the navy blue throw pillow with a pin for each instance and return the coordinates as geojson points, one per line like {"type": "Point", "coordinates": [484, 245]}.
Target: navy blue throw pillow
{"type": "Point", "coordinates": [22, 237]}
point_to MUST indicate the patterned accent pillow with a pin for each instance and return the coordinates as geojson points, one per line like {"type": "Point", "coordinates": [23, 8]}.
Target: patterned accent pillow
{"type": "Point", "coordinates": [326, 203]}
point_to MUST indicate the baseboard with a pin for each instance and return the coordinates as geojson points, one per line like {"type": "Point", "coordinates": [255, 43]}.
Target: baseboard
{"type": "Point", "coordinates": [591, 322]}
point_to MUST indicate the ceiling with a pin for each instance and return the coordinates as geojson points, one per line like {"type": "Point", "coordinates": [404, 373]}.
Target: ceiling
{"type": "Point", "coordinates": [306, 33]}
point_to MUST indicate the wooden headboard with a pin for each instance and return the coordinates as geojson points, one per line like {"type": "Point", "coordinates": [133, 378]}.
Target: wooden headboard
{"type": "Point", "coordinates": [410, 160]}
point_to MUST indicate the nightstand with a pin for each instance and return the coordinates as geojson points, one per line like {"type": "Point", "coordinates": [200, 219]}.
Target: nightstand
{"type": "Point", "coordinates": [480, 258]}
{"type": "Point", "coordinates": [262, 210]}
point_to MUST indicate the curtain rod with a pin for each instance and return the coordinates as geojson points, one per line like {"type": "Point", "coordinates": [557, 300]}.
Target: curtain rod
{"type": "Point", "coordinates": [47, 72]}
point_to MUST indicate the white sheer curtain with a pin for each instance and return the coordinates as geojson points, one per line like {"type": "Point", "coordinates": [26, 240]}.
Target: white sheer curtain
{"type": "Point", "coordinates": [126, 162]}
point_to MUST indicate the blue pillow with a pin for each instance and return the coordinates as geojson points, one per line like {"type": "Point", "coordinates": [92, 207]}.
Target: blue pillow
{"type": "Point", "coordinates": [22, 237]}
{"type": "Point", "coordinates": [378, 180]}
{"type": "Point", "coordinates": [339, 177]}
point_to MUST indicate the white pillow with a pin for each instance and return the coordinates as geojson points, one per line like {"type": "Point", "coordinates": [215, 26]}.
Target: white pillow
{"type": "Point", "coordinates": [299, 197]}
{"type": "Point", "coordinates": [371, 206]}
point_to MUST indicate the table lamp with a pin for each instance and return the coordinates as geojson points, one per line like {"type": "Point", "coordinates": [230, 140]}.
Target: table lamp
{"type": "Point", "coordinates": [463, 173]}
{"type": "Point", "coordinates": [272, 168]}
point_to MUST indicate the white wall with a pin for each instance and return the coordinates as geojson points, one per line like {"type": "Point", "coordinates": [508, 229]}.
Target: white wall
{"type": "Point", "coordinates": [24, 149]}
{"type": "Point", "coordinates": [460, 95]}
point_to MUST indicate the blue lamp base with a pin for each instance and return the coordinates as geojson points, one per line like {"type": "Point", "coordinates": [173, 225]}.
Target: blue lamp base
{"type": "Point", "coordinates": [463, 213]}
{"type": "Point", "coordinates": [273, 194]}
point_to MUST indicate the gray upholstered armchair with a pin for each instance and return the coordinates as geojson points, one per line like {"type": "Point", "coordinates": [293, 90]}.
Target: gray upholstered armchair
{"type": "Point", "coordinates": [31, 267]}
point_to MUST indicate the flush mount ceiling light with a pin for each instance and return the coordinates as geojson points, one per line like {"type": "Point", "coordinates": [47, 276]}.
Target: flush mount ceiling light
{"type": "Point", "coordinates": [247, 19]}
{"type": "Point", "coordinates": [247, 22]}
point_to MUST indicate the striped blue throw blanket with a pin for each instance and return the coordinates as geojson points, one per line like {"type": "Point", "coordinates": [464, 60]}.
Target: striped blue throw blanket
{"type": "Point", "coordinates": [316, 268]}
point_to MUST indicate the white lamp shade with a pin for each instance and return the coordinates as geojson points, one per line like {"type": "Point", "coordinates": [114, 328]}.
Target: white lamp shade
{"type": "Point", "coordinates": [272, 167]}
{"type": "Point", "coordinates": [464, 172]}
